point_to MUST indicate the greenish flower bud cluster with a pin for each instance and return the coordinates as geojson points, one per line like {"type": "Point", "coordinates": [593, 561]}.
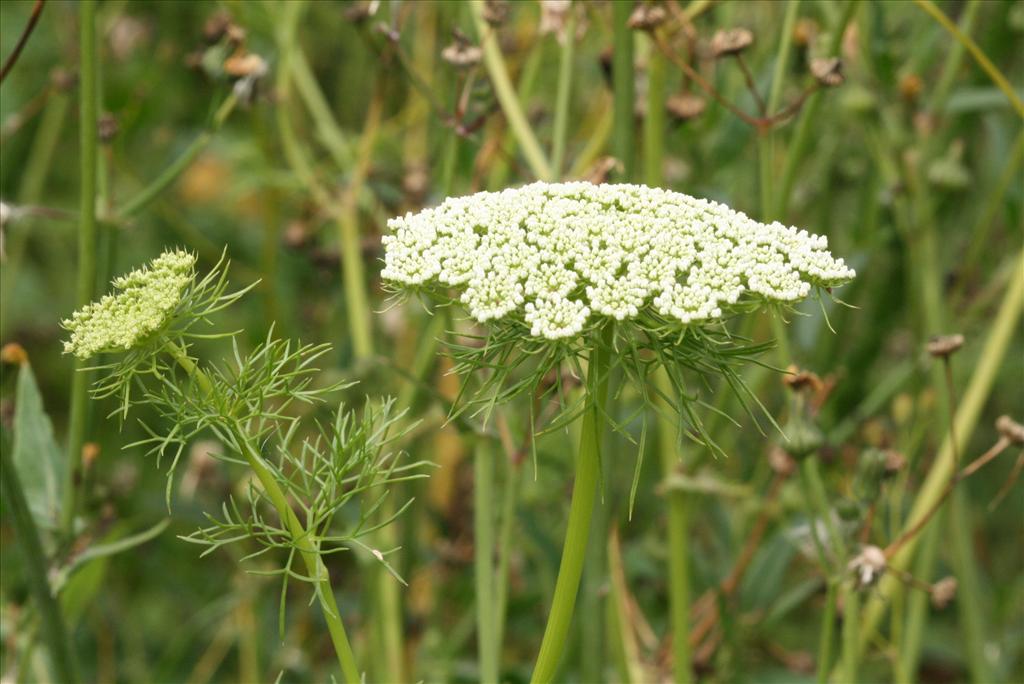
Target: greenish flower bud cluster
{"type": "Point", "coordinates": [558, 254]}
{"type": "Point", "coordinates": [142, 304]}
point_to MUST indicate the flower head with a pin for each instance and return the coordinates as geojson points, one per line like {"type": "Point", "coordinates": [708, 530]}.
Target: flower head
{"type": "Point", "coordinates": [558, 254]}
{"type": "Point", "coordinates": [143, 303]}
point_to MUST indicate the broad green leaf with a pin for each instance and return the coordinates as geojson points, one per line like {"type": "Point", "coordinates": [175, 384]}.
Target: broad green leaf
{"type": "Point", "coordinates": [37, 458]}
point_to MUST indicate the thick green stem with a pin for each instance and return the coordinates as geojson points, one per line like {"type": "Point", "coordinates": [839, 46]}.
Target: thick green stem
{"type": "Point", "coordinates": [87, 146]}
{"type": "Point", "coordinates": [678, 545]}
{"type": "Point", "coordinates": [588, 466]}
{"type": "Point", "coordinates": [483, 562]}
{"type": "Point", "coordinates": [622, 86]}
{"type": "Point", "coordinates": [562, 99]}
{"type": "Point", "coordinates": [506, 94]}
{"type": "Point", "coordinates": [37, 574]}
{"type": "Point", "coordinates": [306, 543]}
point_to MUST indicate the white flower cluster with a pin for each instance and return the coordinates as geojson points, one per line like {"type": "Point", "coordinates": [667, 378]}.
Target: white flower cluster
{"type": "Point", "coordinates": [145, 299]}
{"type": "Point", "coordinates": [567, 251]}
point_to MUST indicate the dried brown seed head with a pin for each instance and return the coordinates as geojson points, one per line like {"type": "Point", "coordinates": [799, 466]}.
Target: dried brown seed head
{"type": "Point", "coordinates": [828, 71]}
{"type": "Point", "coordinates": [868, 565]}
{"type": "Point", "coordinates": [13, 353]}
{"type": "Point", "coordinates": [216, 26]}
{"type": "Point", "coordinates": [496, 12]}
{"type": "Point", "coordinates": [686, 106]}
{"type": "Point", "coordinates": [804, 32]}
{"type": "Point", "coordinates": [600, 169]}
{"type": "Point", "coordinates": [1010, 429]}
{"type": "Point", "coordinates": [62, 79]}
{"type": "Point", "coordinates": [647, 17]}
{"type": "Point", "coordinates": [944, 345]}
{"type": "Point", "coordinates": [90, 452]}
{"type": "Point", "coordinates": [894, 461]}
{"type": "Point", "coordinates": [462, 55]}
{"type": "Point", "coordinates": [244, 64]}
{"type": "Point", "coordinates": [359, 12]}
{"type": "Point", "coordinates": [731, 41]}
{"type": "Point", "coordinates": [943, 592]}
{"type": "Point", "coordinates": [106, 127]}
{"type": "Point", "coordinates": [553, 16]}
{"type": "Point", "coordinates": [797, 380]}
{"type": "Point", "coordinates": [911, 86]}
{"type": "Point", "coordinates": [781, 462]}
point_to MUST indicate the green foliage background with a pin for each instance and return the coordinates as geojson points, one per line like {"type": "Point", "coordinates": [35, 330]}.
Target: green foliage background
{"type": "Point", "coordinates": [913, 170]}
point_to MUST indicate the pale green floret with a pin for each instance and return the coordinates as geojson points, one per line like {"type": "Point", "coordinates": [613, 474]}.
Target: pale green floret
{"type": "Point", "coordinates": [560, 253]}
{"type": "Point", "coordinates": [144, 300]}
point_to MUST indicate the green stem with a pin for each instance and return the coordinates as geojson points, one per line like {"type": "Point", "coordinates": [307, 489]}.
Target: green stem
{"type": "Point", "coordinates": [37, 574]}
{"type": "Point", "coordinates": [766, 137]}
{"type": "Point", "coordinates": [510, 494]}
{"type": "Point", "coordinates": [506, 94]}
{"type": "Point", "coordinates": [979, 55]}
{"type": "Point", "coordinates": [144, 197]}
{"type": "Point", "coordinates": [483, 561]}
{"type": "Point", "coordinates": [678, 545]}
{"type": "Point", "coordinates": [588, 466]}
{"type": "Point", "coordinates": [654, 121]}
{"type": "Point", "coordinates": [851, 627]}
{"type": "Point", "coordinates": [88, 93]}
{"type": "Point", "coordinates": [327, 127]}
{"type": "Point", "coordinates": [306, 543]}
{"type": "Point", "coordinates": [562, 99]}
{"type": "Point", "coordinates": [623, 87]}
{"type": "Point", "coordinates": [828, 621]}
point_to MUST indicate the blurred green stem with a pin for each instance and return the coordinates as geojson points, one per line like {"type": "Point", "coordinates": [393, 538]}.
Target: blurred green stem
{"type": "Point", "coordinates": [37, 570]}
{"type": "Point", "coordinates": [979, 55]}
{"type": "Point", "coordinates": [828, 621]}
{"type": "Point", "coordinates": [623, 87]}
{"type": "Point", "coordinates": [87, 146]}
{"type": "Point", "coordinates": [306, 543]}
{"type": "Point", "coordinates": [506, 94]}
{"type": "Point", "coordinates": [678, 543]}
{"type": "Point", "coordinates": [483, 562]}
{"type": "Point", "coordinates": [766, 137]}
{"type": "Point", "coordinates": [588, 466]}
{"type": "Point", "coordinates": [563, 97]}
{"type": "Point", "coordinates": [144, 197]}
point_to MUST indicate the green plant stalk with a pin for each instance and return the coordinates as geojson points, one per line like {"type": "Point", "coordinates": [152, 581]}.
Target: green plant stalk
{"type": "Point", "coordinates": [588, 465]}
{"type": "Point", "coordinates": [327, 127]}
{"type": "Point", "coordinates": [87, 146]}
{"type": "Point", "coordinates": [851, 625]}
{"type": "Point", "coordinates": [976, 52]}
{"type": "Point", "coordinates": [678, 544]}
{"type": "Point", "coordinates": [51, 618]}
{"type": "Point", "coordinates": [506, 94]}
{"type": "Point", "coordinates": [913, 633]}
{"type": "Point", "coordinates": [951, 68]}
{"type": "Point", "coordinates": [144, 197]}
{"type": "Point", "coordinates": [307, 543]}
{"type": "Point", "coordinates": [766, 137]}
{"type": "Point", "coordinates": [987, 218]}
{"type": "Point", "coordinates": [654, 121]}
{"type": "Point", "coordinates": [828, 621]}
{"type": "Point", "coordinates": [996, 345]}
{"type": "Point", "coordinates": [933, 318]}
{"type": "Point", "coordinates": [808, 119]}
{"type": "Point", "coordinates": [510, 494]}
{"type": "Point", "coordinates": [623, 87]}
{"type": "Point", "coordinates": [498, 176]}
{"type": "Point", "coordinates": [563, 97]}
{"type": "Point", "coordinates": [483, 561]}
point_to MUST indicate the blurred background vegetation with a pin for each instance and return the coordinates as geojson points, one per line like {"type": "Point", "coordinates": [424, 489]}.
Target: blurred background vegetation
{"type": "Point", "coordinates": [289, 133]}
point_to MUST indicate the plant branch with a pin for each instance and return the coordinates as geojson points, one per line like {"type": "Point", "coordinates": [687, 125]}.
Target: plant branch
{"type": "Point", "coordinates": [30, 25]}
